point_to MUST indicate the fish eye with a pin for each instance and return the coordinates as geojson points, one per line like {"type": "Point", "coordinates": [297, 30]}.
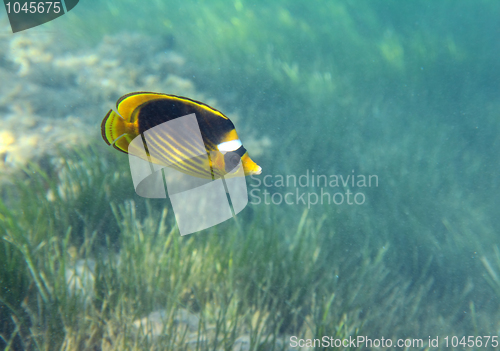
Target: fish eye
{"type": "Point", "coordinates": [231, 160]}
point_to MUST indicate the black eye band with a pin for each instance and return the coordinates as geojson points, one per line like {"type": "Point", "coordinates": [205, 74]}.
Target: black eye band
{"type": "Point", "coordinates": [240, 151]}
{"type": "Point", "coordinates": [232, 159]}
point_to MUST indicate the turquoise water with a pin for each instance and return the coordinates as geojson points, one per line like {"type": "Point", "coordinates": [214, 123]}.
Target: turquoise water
{"type": "Point", "coordinates": [402, 98]}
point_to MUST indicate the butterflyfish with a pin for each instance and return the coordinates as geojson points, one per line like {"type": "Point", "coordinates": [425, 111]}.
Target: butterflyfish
{"type": "Point", "coordinates": [137, 114]}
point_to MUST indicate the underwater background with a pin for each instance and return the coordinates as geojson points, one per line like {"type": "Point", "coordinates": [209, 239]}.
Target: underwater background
{"type": "Point", "coordinates": [403, 91]}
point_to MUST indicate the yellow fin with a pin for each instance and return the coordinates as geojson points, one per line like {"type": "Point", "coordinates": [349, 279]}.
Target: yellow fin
{"type": "Point", "coordinates": [129, 103]}
{"type": "Point", "coordinates": [117, 131]}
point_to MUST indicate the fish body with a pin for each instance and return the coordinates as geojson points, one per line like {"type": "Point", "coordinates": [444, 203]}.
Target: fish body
{"type": "Point", "coordinates": [139, 113]}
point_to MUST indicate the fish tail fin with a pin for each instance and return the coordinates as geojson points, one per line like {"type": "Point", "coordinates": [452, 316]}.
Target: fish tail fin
{"type": "Point", "coordinates": [117, 131]}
